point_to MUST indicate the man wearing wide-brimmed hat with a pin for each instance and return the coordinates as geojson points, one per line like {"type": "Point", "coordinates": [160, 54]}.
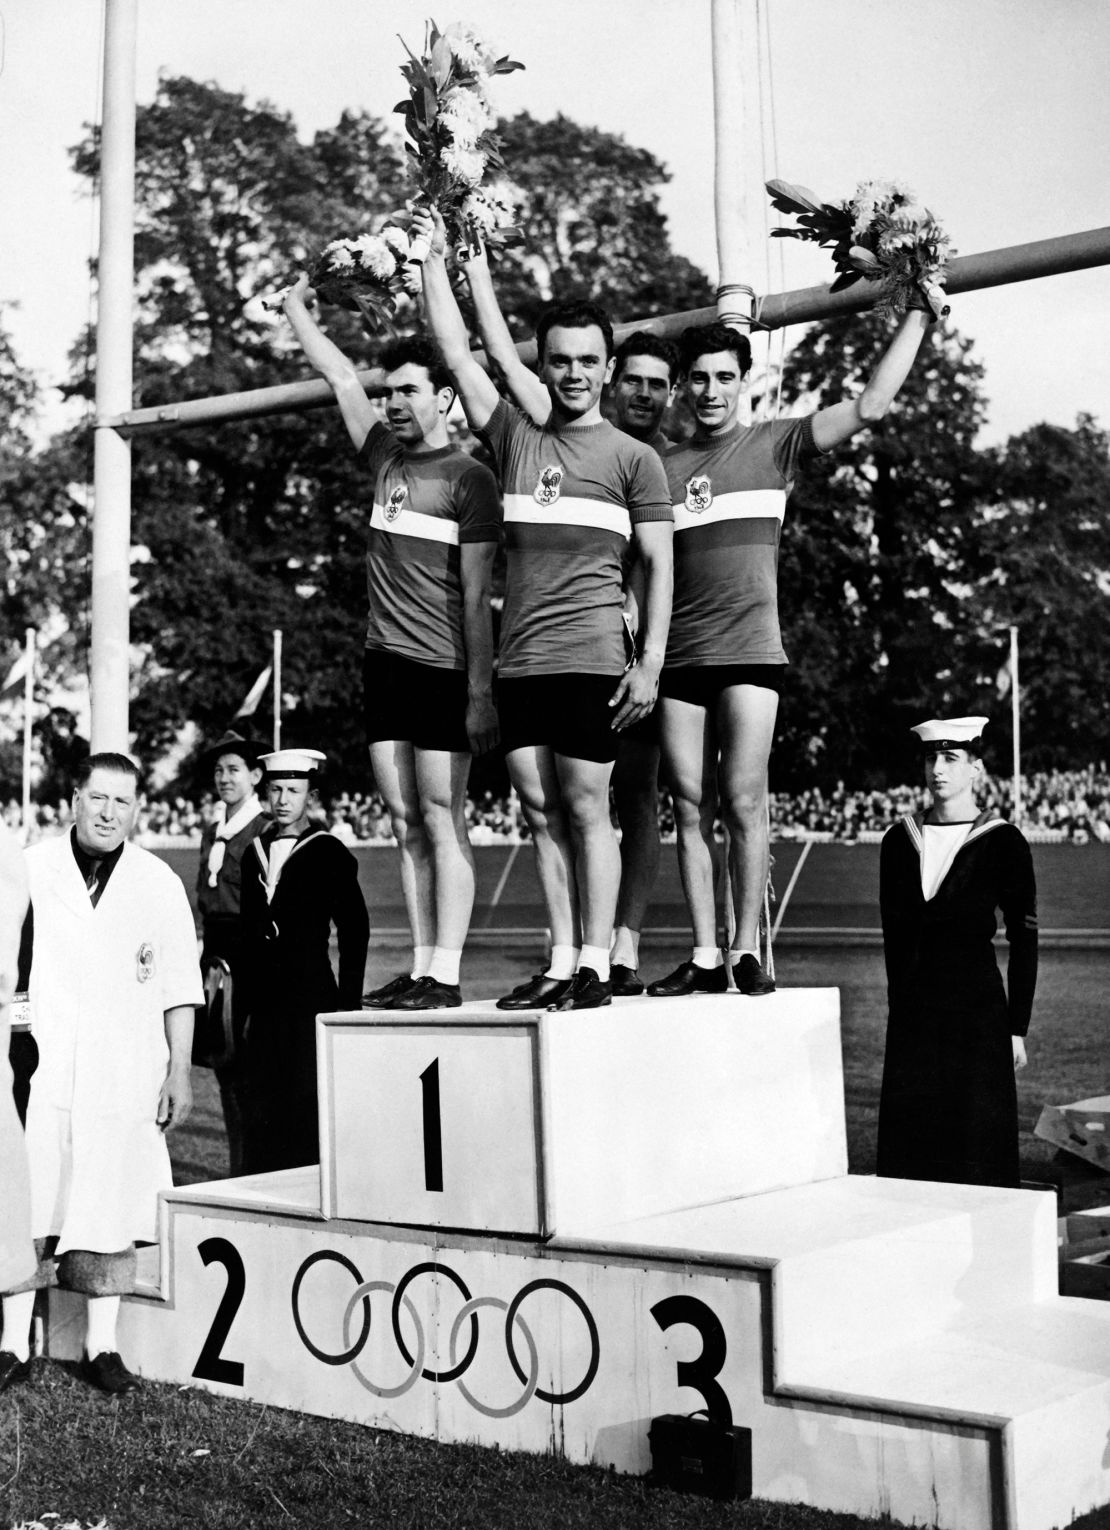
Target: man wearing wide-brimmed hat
{"type": "Point", "coordinates": [955, 1033]}
{"type": "Point", "coordinates": [239, 819]}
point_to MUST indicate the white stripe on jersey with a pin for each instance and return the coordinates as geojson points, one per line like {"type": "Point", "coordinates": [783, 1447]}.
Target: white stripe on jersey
{"type": "Point", "coordinates": [413, 523]}
{"type": "Point", "coordinates": [569, 511]}
{"type": "Point", "coordinates": [739, 505]}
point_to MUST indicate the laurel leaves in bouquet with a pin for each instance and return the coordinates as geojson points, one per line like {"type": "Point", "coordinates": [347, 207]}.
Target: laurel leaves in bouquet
{"type": "Point", "coordinates": [882, 234]}
{"type": "Point", "coordinates": [450, 124]}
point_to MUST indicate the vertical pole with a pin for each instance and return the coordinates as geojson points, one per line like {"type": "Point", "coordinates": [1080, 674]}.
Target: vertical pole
{"type": "Point", "coordinates": [277, 687]}
{"type": "Point", "coordinates": [28, 722]}
{"type": "Point", "coordinates": [111, 553]}
{"type": "Point", "coordinates": [735, 133]}
{"type": "Point", "coordinates": [1015, 713]}
{"type": "Point", "coordinates": [736, 116]}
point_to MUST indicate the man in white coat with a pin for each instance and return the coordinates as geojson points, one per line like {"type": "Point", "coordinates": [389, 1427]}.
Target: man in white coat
{"type": "Point", "coordinates": [114, 982]}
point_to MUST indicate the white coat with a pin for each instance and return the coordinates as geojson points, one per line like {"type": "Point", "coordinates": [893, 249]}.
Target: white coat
{"type": "Point", "coordinates": [101, 981]}
{"type": "Point", "coordinates": [17, 1254]}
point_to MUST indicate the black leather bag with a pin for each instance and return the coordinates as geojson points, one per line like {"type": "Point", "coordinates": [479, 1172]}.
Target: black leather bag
{"type": "Point", "coordinates": [693, 1454]}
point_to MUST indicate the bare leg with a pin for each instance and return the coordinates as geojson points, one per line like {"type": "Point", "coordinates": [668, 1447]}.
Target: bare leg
{"type": "Point", "coordinates": [585, 792]}
{"type": "Point", "coordinates": [395, 776]}
{"type": "Point", "coordinates": [746, 726]}
{"type": "Point", "coordinates": [534, 777]}
{"type": "Point", "coordinates": [441, 779]}
{"type": "Point", "coordinates": [689, 768]}
{"type": "Point", "coordinates": [636, 795]}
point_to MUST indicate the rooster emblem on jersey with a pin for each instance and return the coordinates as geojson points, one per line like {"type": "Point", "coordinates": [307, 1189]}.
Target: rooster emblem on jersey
{"type": "Point", "coordinates": [548, 485]}
{"type": "Point", "coordinates": [699, 494]}
{"type": "Point", "coordinates": [396, 502]}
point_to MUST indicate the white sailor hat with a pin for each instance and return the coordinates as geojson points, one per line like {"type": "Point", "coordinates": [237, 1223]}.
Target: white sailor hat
{"type": "Point", "coordinates": [292, 764]}
{"type": "Point", "coordinates": [951, 733]}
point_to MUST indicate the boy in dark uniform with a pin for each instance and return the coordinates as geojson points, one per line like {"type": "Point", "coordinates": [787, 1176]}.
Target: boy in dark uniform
{"type": "Point", "coordinates": [955, 1033]}
{"type": "Point", "coordinates": [298, 881]}
{"type": "Point", "coordinates": [234, 761]}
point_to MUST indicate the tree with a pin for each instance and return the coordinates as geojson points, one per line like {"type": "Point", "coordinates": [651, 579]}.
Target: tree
{"type": "Point", "coordinates": [875, 553]}
{"type": "Point", "coordinates": [1044, 566]}
{"type": "Point", "coordinates": [589, 204]}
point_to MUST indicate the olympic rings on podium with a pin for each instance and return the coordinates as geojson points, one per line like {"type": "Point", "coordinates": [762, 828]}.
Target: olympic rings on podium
{"type": "Point", "coordinates": [468, 1312]}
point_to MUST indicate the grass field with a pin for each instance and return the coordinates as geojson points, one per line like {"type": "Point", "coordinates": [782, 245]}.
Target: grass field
{"type": "Point", "coordinates": [176, 1457]}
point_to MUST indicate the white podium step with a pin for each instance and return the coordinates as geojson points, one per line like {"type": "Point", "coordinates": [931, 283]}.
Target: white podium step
{"type": "Point", "coordinates": [538, 1123]}
{"type": "Point", "coordinates": [987, 1410]}
{"type": "Point", "coordinates": [662, 1224]}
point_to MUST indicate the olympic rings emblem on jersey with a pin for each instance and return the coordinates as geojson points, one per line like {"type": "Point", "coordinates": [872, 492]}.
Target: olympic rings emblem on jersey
{"type": "Point", "coordinates": [548, 485]}
{"type": "Point", "coordinates": [699, 494]}
{"type": "Point", "coordinates": [396, 502]}
{"type": "Point", "coordinates": [353, 1346]}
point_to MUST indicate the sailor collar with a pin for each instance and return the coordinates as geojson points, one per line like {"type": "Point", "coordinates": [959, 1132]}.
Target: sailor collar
{"type": "Point", "coordinates": [261, 845]}
{"type": "Point", "coordinates": [986, 821]}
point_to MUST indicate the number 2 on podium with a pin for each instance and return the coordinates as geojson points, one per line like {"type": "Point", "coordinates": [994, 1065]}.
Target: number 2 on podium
{"type": "Point", "coordinates": [433, 1129]}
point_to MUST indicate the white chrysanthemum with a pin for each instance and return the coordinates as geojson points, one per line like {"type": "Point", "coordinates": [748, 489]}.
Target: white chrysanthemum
{"type": "Point", "coordinates": [470, 47]}
{"type": "Point", "coordinates": [900, 191]}
{"type": "Point", "coordinates": [396, 239]}
{"type": "Point", "coordinates": [338, 255]}
{"type": "Point", "coordinates": [465, 115]}
{"type": "Point", "coordinates": [465, 165]}
{"type": "Point", "coordinates": [375, 256]}
{"type": "Point", "coordinates": [477, 210]}
{"type": "Point", "coordinates": [864, 207]}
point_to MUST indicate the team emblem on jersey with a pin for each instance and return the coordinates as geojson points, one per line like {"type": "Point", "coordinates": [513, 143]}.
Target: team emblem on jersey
{"type": "Point", "coordinates": [144, 962]}
{"type": "Point", "coordinates": [548, 485]}
{"type": "Point", "coordinates": [396, 502]}
{"type": "Point", "coordinates": [699, 494]}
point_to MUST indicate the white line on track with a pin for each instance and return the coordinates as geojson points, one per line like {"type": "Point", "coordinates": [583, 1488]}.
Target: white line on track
{"type": "Point", "coordinates": [502, 879]}
{"type": "Point", "coordinates": [806, 848]}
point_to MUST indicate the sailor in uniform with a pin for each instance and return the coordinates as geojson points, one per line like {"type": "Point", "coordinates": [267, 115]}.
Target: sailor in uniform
{"type": "Point", "coordinates": [298, 881]}
{"type": "Point", "coordinates": [955, 1032]}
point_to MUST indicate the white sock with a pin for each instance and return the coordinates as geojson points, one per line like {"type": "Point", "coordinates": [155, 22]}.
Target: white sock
{"type": "Point", "coordinates": [626, 947]}
{"type": "Point", "coordinates": [563, 963]}
{"type": "Point", "coordinates": [421, 960]}
{"type": "Point", "coordinates": [444, 965]}
{"type": "Point", "coordinates": [706, 956]}
{"type": "Point", "coordinates": [596, 957]}
{"type": "Point", "coordinates": [100, 1334]}
{"type": "Point", "coordinates": [18, 1312]}
{"type": "Point", "coordinates": [734, 956]}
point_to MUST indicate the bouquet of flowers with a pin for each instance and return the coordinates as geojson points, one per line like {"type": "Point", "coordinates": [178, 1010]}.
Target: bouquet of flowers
{"type": "Point", "coordinates": [882, 235]}
{"type": "Point", "coordinates": [366, 273]}
{"type": "Point", "coordinates": [450, 124]}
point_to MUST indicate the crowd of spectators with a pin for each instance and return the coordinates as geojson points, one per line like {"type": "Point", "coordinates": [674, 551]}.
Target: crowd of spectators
{"type": "Point", "coordinates": [1069, 805]}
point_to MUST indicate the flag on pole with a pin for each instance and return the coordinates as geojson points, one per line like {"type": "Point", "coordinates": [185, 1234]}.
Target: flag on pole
{"type": "Point", "coordinates": [1004, 679]}
{"type": "Point", "coordinates": [250, 701]}
{"type": "Point", "coordinates": [16, 675]}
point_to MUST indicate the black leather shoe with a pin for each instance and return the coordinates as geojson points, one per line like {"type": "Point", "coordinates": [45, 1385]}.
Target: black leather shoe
{"type": "Point", "coordinates": [538, 992]}
{"type": "Point", "coordinates": [386, 997]}
{"type": "Point", "coordinates": [751, 978]}
{"type": "Point", "coordinates": [688, 979]}
{"type": "Point", "coordinates": [108, 1372]}
{"type": "Point", "coordinates": [430, 993]}
{"type": "Point", "coordinates": [626, 981]}
{"type": "Point", "coordinates": [586, 991]}
{"type": "Point", "coordinates": [12, 1370]}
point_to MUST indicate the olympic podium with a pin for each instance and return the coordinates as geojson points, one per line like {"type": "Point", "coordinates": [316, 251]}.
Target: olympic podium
{"type": "Point", "coordinates": [539, 1231]}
